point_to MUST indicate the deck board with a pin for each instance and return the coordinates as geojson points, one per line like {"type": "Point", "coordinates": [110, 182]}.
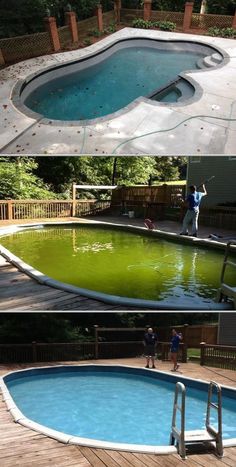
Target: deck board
{"type": "Point", "coordinates": [19, 292]}
{"type": "Point", "coordinates": [20, 446]}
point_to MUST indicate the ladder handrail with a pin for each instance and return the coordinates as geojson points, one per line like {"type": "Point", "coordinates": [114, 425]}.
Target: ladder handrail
{"type": "Point", "coordinates": [226, 262]}
{"type": "Point", "coordinates": [178, 435]}
{"type": "Point", "coordinates": [217, 406]}
{"type": "Point", "coordinates": [179, 388]}
{"type": "Point", "coordinates": [175, 432]}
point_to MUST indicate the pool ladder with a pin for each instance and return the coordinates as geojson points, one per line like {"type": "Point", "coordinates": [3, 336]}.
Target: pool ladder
{"type": "Point", "coordinates": [227, 291]}
{"type": "Point", "coordinates": [181, 437]}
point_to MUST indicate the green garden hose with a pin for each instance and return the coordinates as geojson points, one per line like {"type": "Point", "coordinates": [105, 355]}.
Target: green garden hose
{"type": "Point", "coordinates": [171, 129]}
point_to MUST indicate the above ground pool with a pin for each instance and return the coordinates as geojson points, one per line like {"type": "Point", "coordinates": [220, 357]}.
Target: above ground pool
{"type": "Point", "coordinates": [108, 81]}
{"type": "Point", "coordinates": [119, 262]}
{"type": "Point", "coordinates": [113, 404]}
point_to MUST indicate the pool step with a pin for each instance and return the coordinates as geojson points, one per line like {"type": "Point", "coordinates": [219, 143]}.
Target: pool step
{"type": "Point", "coordinates": [198, 436]}
{"type": "Point", "coordinates": [216, 57]}
{"type": "Point", "coordinates": [229, 291]}
{"type": "Point", "coordinates": [209, 61]}
{"type": "Point", "coordinates": [182, 437]}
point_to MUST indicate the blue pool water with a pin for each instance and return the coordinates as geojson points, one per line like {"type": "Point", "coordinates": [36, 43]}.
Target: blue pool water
{"type": "Point", "coordinates": [112, 406]}
{"type": "Point", "coordinates": [111, 84]}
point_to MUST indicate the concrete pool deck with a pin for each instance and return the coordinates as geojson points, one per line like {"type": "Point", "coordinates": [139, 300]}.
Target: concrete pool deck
{"type": "Point", "coordinates": [205, 125]}
{"type": "Point", "coordinates": [24, 447]}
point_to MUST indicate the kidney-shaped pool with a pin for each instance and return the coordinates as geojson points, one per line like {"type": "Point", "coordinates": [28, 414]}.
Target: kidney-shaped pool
{"type": "Point", "coordinates": [108, 81]}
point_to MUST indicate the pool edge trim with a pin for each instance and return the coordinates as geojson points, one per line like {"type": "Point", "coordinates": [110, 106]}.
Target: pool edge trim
{"type": "Point", "coordinates": [107, 298]}
{"type": "Point", "coordinates": [19, 417]}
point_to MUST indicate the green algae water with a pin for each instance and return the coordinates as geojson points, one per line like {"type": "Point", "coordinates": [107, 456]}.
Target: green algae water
{"type": "Point", "coordinates": [121, 263]}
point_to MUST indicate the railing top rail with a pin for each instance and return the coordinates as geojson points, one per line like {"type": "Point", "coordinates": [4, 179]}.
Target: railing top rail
{"type": "Point", "coordinates": [46, 201]}
{"type": "Point", "coordinates": [220, 347]}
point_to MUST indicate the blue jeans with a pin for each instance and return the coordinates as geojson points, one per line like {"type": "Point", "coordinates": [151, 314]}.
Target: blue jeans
{"type": "Point", "coordinates": [190, 217]}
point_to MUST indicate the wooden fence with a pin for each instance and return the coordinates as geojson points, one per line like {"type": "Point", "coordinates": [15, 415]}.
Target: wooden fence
{"type": "Point", "coordinates": [147, 201]}
{"type": "Point", "coordinates": [192, 335]}
{"type": "Point", "coordinates": [218, 356]}
{"type": "Point", "coordinates": [52, 352]}
{"type": "Point", "coordinates": [47, 209]}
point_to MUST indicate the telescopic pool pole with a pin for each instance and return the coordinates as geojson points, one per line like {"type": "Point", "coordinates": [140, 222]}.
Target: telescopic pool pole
{"type": "Point", "coordinates": [206, 181]}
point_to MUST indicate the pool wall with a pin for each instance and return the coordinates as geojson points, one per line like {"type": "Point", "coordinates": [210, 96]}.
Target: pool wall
{"type": "Point", "coordinates": [115, 299]}
{"type": "Point", "coordinates": [24, 88]}
{"type": "Point", "coordinates": [19, 417]}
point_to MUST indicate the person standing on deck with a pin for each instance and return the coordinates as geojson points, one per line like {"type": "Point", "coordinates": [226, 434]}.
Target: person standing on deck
{"type": "Point", "coordinates": [192, 203]}
{"type": "Point", "coordinates": [150, 343]}
{"type": "Point", "coordinates": [175, 341]}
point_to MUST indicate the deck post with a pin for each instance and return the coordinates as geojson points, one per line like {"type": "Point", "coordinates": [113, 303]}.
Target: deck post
{"type": "Point", "coordinates": [51, 27]}
{"type": "Point", "coordinates": [9, 210]}
{"type": "Point", "coordinates": [234, 21]}
{"type": "Point", "coordinates": [202, 353]}
{"type": "Point", "coordinates": [185, 334]}
{"type": "Point", "coordinates": [70, 17]}
{"type": "Point", "coordinates": [73, 200]}
{"type": "Point", "coordinates": [2, 61]}
{"type": "Point", "coordinates": [99, 17]}
{"type": "Point", "coordinates": [96, 340]}
{"type": "Point", "coordinates": [147, 10]}
{"type": "Point", "coordinates": [188, 16]}
{"type": "Point", "coordinates": [34, 351]}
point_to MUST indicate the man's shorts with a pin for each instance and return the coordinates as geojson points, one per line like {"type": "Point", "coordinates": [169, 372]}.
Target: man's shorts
{"type": "Point", "coordinates": [150, 351]}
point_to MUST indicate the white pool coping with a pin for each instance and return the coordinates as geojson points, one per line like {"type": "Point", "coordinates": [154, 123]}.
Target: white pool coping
{"type": "Point", "coordinates": [20, 418]}
{"type": "Point", "coordinates": [197, 127]}
{"type": "Point", "coordinates": [167, 304]}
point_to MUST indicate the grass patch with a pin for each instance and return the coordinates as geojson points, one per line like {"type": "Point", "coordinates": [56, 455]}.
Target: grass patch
{"type": "Point", "coordinates": [193, 353]}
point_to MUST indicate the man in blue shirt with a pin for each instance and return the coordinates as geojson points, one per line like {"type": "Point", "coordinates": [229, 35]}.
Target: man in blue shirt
{"type": "Point", "coordinates": [150, 342]}
{"type": "Point", "coordinates": [192, 203]}
{"type": "Point", "coordinates": [175, 341]}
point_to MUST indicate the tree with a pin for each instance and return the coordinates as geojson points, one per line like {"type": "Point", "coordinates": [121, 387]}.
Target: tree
{"type": "Point", "coordinates": [221, 7]}
{"type": "Point", "coordinates": [19, 182]}
{"type": "Point", "coordinates": [28, 16]}
{"type": "Point", "coordinates": [60, 172]}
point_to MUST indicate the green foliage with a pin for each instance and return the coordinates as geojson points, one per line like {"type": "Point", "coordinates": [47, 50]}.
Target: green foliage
{"type": "Point", "coordinates": [222, 32]}
{"type": "Point", "coordinates": [87, 41]}
{"type": "Point", "coordinates": [219, 7]}
{"type": "Point", "coordinates": [60, 172]}
{"type": "Point", "coordinates": [141, 23]}
{"type": "Point", "coordinates": [95, 32]}
{"type": "Point", "coordinates": [28, 16]}
{"type": "Point", "coordinates": [163, 25]}
{"type": "Point", "coordinates": [110, 29]}
{"type": "Point", "coordinates": [52, 177]}
{"type": "Point", "coordinates": [167, 25]}
{"type": "Point", "coordinates": [73, 327]}
{"type": "Point", "coordinates": [19, 182]}
{"type": "Point", "coordinates": [41, 328]}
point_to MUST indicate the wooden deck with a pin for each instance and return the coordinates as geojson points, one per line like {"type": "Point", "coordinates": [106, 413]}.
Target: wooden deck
{"type": "Point", "coordinates": [18, 292]}
{"type": "Point", "coordinates": [20, 446]}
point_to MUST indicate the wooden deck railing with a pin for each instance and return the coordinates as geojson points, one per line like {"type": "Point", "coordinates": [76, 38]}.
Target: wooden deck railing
{"type": "Point", "coordinates": [219, 356]}
{"type": "Point", "coordinates": [47, 209]}
{"type": "Point", "coordinates": [51, 352]}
